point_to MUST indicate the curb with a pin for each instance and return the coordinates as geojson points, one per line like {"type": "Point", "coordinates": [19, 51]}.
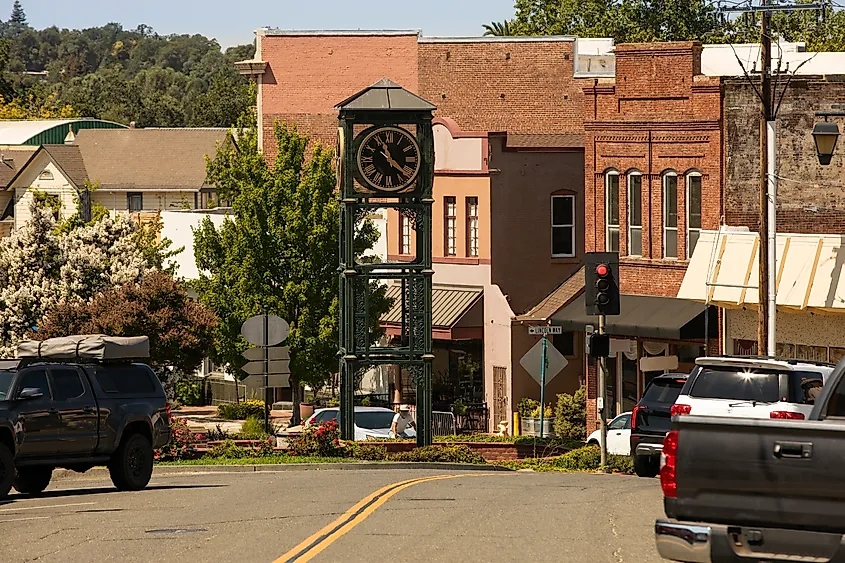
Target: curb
{"type": "Point", "coordinates": [102, 472]}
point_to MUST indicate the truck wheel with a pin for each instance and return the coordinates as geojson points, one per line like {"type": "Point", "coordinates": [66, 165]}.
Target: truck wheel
{"type": "Point", "coordinates": [131, 466]}
{"type": "Point", "coordinates": [7, 471]}
{"type": "Point", "coordinates": [646, 466]}
{"type": "Point", "coordinates": [33, 480]}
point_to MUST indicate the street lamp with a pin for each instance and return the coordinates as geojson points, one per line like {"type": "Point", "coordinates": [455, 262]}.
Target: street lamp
{"type": "Point", "coordinates": [825, 135]}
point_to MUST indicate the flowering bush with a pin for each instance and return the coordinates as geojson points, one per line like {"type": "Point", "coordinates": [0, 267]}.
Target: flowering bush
{"type": "Point", "coordinates": [322, 441]}
{"type": "Point", "coordinates": [180, 444]}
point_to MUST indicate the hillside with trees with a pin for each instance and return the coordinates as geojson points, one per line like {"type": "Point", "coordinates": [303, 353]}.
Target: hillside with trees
{"type": "Point", "coordinates": [121, 75]}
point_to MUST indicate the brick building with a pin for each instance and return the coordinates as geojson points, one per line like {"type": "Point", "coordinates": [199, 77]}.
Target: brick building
{"type": "Point", "coordinates": [509, 150]}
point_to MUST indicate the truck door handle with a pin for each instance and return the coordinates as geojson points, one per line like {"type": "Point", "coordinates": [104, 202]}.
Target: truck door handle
{"type": "Point", "coordinates": [801, 450]}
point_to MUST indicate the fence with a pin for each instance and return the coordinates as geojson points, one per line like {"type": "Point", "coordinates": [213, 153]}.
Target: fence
{"type": "Point", "coordinates": [222, 391]}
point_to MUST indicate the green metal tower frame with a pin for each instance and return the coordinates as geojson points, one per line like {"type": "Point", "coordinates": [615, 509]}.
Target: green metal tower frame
{"type": "Point", "coordinates": [385, 104]}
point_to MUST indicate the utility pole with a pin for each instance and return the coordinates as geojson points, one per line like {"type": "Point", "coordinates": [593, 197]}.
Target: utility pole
{"type": "Point", "coordinates": [603, 398]}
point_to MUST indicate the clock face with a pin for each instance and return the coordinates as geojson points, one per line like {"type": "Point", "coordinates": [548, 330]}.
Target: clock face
{"type": "Point", "coordinates": [388, 159]}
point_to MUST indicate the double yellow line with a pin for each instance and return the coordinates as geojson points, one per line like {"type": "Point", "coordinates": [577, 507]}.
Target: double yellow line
{"type": "Point", "coordinates": [316, 543]}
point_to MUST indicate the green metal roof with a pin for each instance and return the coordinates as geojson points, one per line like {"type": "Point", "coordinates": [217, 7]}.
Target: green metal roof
{"type": "Point", "coordinates": [48, 131]}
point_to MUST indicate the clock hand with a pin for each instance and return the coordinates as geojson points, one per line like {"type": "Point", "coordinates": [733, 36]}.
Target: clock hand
{"type": "Point", "coordinates": [392, 162]}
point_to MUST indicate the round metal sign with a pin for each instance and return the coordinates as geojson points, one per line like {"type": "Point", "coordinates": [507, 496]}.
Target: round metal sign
{"type": "Point", "coordinates": [277, 330]}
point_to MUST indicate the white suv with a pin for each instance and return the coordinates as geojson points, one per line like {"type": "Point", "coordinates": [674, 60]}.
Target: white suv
{"type": "Point", "coordinates": [752, 387]}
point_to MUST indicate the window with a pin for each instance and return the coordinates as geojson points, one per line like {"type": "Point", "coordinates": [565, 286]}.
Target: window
{"type": "Point", "coordinates": [693, 211]}
{"type": "Point", "coordinates": [35, 379]}
{"type": "Point", "coordinates": [611, 184]}
{"type": "Point", "coordinates": [404, 234]}
{"type": "Point", "coordinates": [670, 215]}
{"type": "Point", "coordinates": [836, 405]}
{"type": "Point", "coordinates": [66, 384]}
{"type": "Point", "coordinates": [472, 226]}
{"type": "Point", "coordinates": [127, 380]}
{"type": "Point", "coordinates": [135, 202]}
{"type": "Point", "coordinates": [565, 343]}
{"type": "Point", "coordinates": [635, 214]}
{"type": "Point", "coordinates": [740, 385]}
{"type": "Point", "coordinates": [45, 175]}
{"type": "Point", "coordinates": [451, 226]}
{"type": "Point", "coordinates": [563, 226]}
{"type": "Point", "coordinates": [621, 423]}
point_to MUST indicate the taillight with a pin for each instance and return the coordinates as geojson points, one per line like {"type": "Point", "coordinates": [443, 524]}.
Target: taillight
{"type": "Point", "coordinates": [638, 409]}
{"type": "Point", "coordinates": [787, 415]}
{"type": "Point", "coordinates": [680, 408]}
{"type": "Point", "coordinates": [668, 465]}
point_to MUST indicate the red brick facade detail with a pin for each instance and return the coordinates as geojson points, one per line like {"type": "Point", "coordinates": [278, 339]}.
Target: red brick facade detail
{"type": "Point", "coordinates": [659, 115]}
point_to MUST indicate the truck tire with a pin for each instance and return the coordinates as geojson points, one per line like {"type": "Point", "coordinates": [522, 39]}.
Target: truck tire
{"type": "Point", "coordinates": [131, 466]}
{"type": "Point", "coordinates": [7, 471]}
{"type": "Point", "coordinates": [646, 466]}
{"type": "Point", "coordinates": [33, 480]}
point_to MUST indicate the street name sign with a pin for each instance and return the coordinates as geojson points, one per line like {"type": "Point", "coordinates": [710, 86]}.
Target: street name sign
{"type": "Point", "coordinates": [544, 330]}
{"type": "Point", "coordinates": [265, 330]}
{"type": "Point", "coordinates": [257, 381]}
{"type": "Point", "coordinates": [257, 354]}
{"type": "Point", "coordinates": [276, 367]}
{"type": "Point", "coordinates": [532, 361]}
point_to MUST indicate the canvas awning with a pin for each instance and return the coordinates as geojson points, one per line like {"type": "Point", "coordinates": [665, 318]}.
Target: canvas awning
{"type": "Point", "coordinates": [723, 271]}
{"type": "Point", "coordinates": [457, 311]}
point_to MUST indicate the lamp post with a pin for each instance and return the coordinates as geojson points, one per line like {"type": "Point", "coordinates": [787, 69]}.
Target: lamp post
{"type": "Point", "coordinates": [825, 135]}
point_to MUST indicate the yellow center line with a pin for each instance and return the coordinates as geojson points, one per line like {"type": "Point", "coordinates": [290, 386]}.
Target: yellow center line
{"type": "Point", "coordinates": [316, 543]}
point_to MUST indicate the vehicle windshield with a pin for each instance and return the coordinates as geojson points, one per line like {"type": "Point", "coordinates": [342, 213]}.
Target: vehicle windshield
{"type": "Point", "coordinates": [663, 391]}
{"type": "Point", "coordinates": [737, 384]}
{"type": "Point", "coordinates": [5, 382]}
{"type": "Point", "coordinates": [374, 420]}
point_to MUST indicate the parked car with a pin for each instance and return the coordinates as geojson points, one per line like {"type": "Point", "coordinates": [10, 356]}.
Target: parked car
{"type": "Point", "coordinates": [651, 420]}
{"type": "Point", "coordinates": [79, 414]}
{"type": "Point", "coordinates": [370, 422]}
{"type": "Point", "coordinates": [752, 387]}
{"type": "Point", "coordinates": [743, 490]}
{"type": "Point", "coordinates": [618, 435]}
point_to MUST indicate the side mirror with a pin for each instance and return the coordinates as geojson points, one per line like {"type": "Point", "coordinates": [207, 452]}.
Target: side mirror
{"type": "Point", "coordinates": [30, 393]}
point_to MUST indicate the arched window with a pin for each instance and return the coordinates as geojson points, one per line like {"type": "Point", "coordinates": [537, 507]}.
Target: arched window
{"type": "Point", "coordinates": [635, 213]}
{"type": "Point", "coordinates": [45, 175]}
{"type": "Point", "coordinates": [611, 186]}
{"type": "Point", "coordinates": [670, 215]}
{"type": "Point", "coordinates": [693, 210]}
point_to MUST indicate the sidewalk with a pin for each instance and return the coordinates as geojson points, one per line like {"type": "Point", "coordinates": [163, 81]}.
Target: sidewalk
{"type": "Point", "coordinates": [202, 419]}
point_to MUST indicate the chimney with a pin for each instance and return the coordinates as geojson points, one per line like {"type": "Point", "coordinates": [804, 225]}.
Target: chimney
{"type": "Point", "coordinates": [70, 136]}
{"type": "Point", "coordinates": [132, 125]}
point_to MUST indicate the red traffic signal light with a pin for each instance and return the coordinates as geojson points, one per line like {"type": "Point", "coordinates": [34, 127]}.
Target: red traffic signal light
{"type": "Point", "coordinates": [602, 270]}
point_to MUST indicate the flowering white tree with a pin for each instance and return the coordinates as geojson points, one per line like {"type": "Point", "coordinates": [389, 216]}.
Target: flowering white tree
{"type": "Point", "coordinates": [41, 268]}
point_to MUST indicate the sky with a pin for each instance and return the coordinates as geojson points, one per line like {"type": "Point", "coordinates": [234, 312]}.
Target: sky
{"type": "Point", "coordinates": [233, 22]}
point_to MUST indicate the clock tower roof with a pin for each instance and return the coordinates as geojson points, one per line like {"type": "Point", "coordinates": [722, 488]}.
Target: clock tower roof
{"type": "Point", "coordinates": [385, 95]}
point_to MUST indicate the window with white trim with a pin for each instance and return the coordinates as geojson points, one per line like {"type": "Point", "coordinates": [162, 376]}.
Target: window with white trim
{"type": "Point", "coordinates": [693, 211]}
{"type": "Point", "coordinates": [635, 214]}
{"type": "Point", "coordinates": [451, 226]}
{"type": "Point", "coordinates": [611, 185]}
{"type": "Point", "coordinates": [135, 202]}
{"type": "Point", "coordinates": [563, 226]}
{"type": "Point", "coordinates": [670, 215]}
{"type": "Point", "coordinates": [404, 234]}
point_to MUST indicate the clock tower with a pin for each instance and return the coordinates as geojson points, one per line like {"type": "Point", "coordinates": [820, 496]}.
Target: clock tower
{"type": "Point", "coordinates": [386, 160]}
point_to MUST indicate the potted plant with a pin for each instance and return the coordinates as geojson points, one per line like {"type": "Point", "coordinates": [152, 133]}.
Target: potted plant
{"type": "Point", "coordinates": [548, 418]}
{"type": "Point", "coordinates": [306, 407]}
{"type": "Point", "coordinates": [526, 408]}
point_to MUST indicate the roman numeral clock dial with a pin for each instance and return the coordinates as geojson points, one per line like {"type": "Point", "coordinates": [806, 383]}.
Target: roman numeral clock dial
{"type": "Point", "coordinates": [388, 159]}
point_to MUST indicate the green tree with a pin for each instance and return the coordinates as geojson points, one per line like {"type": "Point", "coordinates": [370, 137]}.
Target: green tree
{"type": "Point", "coordinates": [18, 15]}
{"type": "Point", "coordinates": [279, 251]}
{"type": "Point", "coordinates": [499, 29]}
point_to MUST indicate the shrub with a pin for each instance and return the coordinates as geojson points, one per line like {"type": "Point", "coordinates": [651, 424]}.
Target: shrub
{"type": "Point", "coordinates": [587, 458]}
{"type": "Point", "coordinates": [241, 411]}
{"type": "Point", "coordinates": [526, 406]}
{"type": "Point", "coordinates": [253, 429]}
{"type": "Point", "coordinates": [322, 441]}
{"type": "Point", "coordinates": [571, 415]}
{"type": "Point", "coordinates": [546, 412]}
{"type": "Point", "coordinates": [445, 454]}
{"type": "Point", "coordinates": [188, 391]}
{"type": "Point", "coordinates": [333, 402]}
{"type": "Point", "coordinates": [620, 464]}
{"type": "Point", "coordinates": [366, 452]}
{"type": "Point", "coordinates": [365, 402]}
{"type": "Point", "coordinates": [180, 444]}
{"type": "Point", "coordinates": [229, 450]}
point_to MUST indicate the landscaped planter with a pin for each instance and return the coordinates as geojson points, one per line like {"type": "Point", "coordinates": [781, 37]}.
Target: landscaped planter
{"type": "Point", "coordinates": [531, 427]}
{"type": "Point", "coordinates": [490, 451]}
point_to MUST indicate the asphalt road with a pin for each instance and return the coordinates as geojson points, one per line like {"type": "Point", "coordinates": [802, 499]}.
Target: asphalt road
{"type": "Point", "coordinates": [262, 516]}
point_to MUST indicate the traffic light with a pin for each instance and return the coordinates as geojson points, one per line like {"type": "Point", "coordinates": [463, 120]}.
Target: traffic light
{"type": "Point", "coordinates": [601, 284]}
{"type": "Point", "coordinates": [598, 345]}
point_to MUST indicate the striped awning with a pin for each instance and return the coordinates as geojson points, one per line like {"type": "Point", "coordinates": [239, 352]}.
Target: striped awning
{"type": "Point", "coordinates": [449, 304]}
{"type": "Point", "coordinates": [809, 271]}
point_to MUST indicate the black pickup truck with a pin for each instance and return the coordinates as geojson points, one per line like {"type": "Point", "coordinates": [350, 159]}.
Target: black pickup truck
{"type": "Point", "coordinates": [651, 420]}
{"type": "Point", "coordinates": [76, 415]}
{"type": "Point", "coordinates": [751, 490]}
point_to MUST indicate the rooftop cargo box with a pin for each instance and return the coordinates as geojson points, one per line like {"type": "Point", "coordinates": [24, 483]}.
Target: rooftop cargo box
{"type": "Point", "coordinates": [86, 347]}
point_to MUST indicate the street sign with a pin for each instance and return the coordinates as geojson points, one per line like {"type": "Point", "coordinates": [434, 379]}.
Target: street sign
{"type": "Point", "coordinates": [257, 381]}
{"type": "Point", "coordinates": [541, 330]}
{"type": "Point", "coordinates": [532, 361]}
{"type": "Point", "coordinates": [277, 367]}
{"type": "Point", "coordinates": [277, 330]}
{"type": "Point", "coordinates": [257, 354]}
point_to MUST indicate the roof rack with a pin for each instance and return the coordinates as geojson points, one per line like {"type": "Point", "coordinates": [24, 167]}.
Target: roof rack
{"type": "Point", "coordinates": [790, 361]}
